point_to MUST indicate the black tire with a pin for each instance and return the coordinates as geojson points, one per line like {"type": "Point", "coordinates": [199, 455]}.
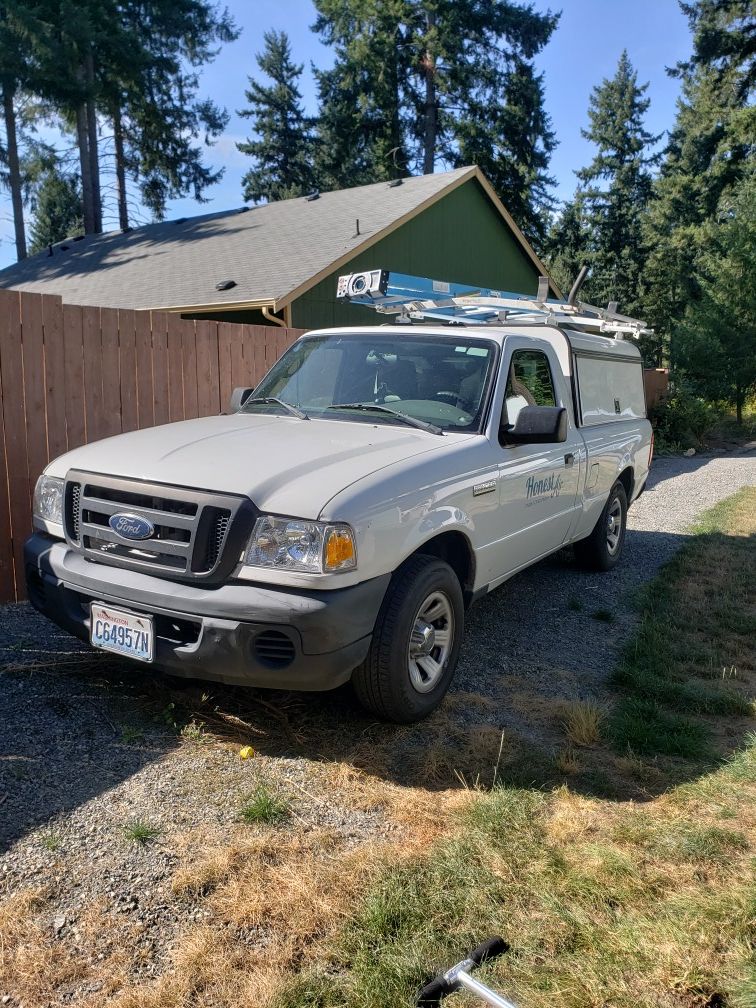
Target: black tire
{"type": "Point", "coordinates": [596, 552]}
{"type": "Point", "coordinates": [384, 681]}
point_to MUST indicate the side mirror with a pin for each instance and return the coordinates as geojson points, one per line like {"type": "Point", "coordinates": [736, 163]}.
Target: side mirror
{"type": "Point", "coordinates": [238, 397]}
{"type": "Point", "coordinates": [537, 425]}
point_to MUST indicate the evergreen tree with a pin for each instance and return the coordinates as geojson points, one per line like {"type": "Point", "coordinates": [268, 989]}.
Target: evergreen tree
{"type": "Point", "coordinates": [615, 189]}
{"type": "Point", "coordinates": [716, 348]}
{"type": "Point", "coordinates": [282, 144]}
{"type": "Point", "coordinates": [417, 83]}
{"type": "Point", "coordinates": [568, 243]}
{"type": "Point", "coordinates": [362, 98]}
{"type": "Point", "coordinates": [707, 155]}
{"type": "Point", "coordinates": [58, 210]}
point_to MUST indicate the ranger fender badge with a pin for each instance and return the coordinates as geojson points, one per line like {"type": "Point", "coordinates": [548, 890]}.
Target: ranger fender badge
{"type": "Point", "coordinates": [483, 488]}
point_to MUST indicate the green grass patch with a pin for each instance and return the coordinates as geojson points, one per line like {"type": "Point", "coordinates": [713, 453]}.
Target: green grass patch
{"type": "Point", "coordinates": [140, 831]}
{"type": "Point", "coordinates": [263, 806]}
{"type": "Point", "coordinates": [698, 624]}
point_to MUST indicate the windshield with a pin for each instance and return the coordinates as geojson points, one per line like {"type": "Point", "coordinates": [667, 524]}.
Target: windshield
{"type": "Point", "coordinates": [433, 379]}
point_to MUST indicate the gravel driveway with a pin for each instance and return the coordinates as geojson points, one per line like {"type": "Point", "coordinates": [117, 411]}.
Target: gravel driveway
{"type": "Point", "coordinates": [87, 746]}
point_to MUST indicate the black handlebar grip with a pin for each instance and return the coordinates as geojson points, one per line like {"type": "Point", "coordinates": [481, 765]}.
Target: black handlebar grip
{"type": "Point", "coordinates": [433, 993]}
{"type": "Point", "coordinates": [489, 950]}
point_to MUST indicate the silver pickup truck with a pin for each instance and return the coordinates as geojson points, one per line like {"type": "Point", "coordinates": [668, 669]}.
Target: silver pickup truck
{"type": "Point", "coordinates": [339, 522]}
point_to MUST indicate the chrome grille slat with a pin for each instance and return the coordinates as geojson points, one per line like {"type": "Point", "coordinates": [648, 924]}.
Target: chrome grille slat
{"type": "Point", "coordinates": [166, 518]}
{"type": "Point", "coordinates": [148, 545]}
{"type": "Point", "coordinates": [198, 535]}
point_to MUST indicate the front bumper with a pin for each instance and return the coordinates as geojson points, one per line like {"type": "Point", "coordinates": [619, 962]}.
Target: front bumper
{"type": "Point", "coordinates": [240, 632]}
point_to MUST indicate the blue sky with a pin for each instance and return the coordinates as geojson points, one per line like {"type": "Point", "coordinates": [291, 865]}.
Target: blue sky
{"type": "Point", "coordinates": [584, 49]}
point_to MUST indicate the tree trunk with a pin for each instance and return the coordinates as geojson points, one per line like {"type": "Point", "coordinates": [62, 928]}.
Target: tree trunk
{"type": "Point", "coordinates": [14, 170]}
{"type": "Point", "coordinates": [85, 167]}
{"type": "Point", "coordinates": [120, 167]}
{"type": "Point", "coordinates": [739, 398]}
{"type": "Point", "coordinates": [431, 121]}
{"type": "Point", "coordinates": [94, 153]}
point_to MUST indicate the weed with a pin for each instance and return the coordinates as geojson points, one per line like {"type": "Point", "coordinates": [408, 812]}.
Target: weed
{"type": "Point", "coordinates": [193, 732]}
{"type": "Point", "coordinates": [51, 842]}
{"type": "Point", "coordinates": [603, 615]}
{"type": "Point", "coordinates": [264, 807]}
{"type": "Point", "coordinates": [574, 603]}
{"type": "Point", "coordinates": [582, 721]}
{"type": "Point", "coordinates": [567, 760]}
{"type": "Point", "coordinates": [141, 832]}
{"type": "Point", "coordinates": [131, 734]}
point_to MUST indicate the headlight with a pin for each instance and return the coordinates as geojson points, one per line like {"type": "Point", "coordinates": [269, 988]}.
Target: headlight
{"type": "Point", "coordinates": [296, 545]}
{"type": "Point", "coordinates": [48, 499]}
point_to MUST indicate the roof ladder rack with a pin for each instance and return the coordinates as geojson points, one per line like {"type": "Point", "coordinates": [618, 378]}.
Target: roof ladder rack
{"type": "Point", "coordinates": [414, 298]}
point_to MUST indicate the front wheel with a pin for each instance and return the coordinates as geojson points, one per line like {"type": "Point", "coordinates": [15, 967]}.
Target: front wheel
{"type": "Point", "coordinates": [603, 547]}
{"type": "Point", "coordinates": [415, 643]}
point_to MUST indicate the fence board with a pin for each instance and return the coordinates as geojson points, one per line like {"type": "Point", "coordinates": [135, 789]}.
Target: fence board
{"type": "Point", "coordinates": [175, 368]}
{"type": "Point", "coordinates": [73, 357]}
{"type": "Point", "coordinates": [111, 372]}
{"type": "Point", "coordinates": [144, 361]}
{"type": "Point", "coordinates": [55, 376]}
{"type": "Point", "coordinates": [7, 572]}
{"type": "Point", "coordinates": [15, 427]}
{"type": "Point", "coordinates": [160, 367]}
{"type": "Point", "coordinates": [189, 356]}
{"type": "Point", "coordinates": [128, 374]}
{"type": "Point", "coordinates": [91, 343]}
{"type": "Point", "coordinates": [72, 374]}
{"type": "Point", "coordinates": [32, 353]}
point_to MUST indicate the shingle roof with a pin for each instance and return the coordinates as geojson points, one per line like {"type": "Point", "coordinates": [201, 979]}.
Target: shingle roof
{"type": "Point", "coordinates": [270, 251]}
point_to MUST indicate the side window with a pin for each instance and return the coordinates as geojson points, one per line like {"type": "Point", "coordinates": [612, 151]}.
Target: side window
{"type": "Point", "coordinates": [529, 383]}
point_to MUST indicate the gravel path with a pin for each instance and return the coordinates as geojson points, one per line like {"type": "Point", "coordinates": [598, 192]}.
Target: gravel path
{"type": "Point", "coordinates": [88, 747]}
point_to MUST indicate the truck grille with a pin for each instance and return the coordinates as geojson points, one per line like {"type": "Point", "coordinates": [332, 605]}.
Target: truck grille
{"type": "Point", "coordinates": [197, 535]}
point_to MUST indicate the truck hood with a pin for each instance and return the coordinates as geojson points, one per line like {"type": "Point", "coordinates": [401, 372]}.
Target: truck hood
{"type": "Point", "coordinates": [285, 465]}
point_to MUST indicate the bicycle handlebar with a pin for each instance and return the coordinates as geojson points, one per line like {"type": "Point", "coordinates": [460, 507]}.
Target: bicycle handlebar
{"type": "Point", "coordinates": [433, 993]}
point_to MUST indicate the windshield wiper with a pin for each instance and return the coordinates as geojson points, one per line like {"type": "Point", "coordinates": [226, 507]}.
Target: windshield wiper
{"type": "Point", "coordinates": [372, 407]}
{"type": "Point", "coordinates": [279, 402]}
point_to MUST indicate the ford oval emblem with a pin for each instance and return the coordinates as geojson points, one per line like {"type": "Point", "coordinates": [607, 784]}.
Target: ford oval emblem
{"type": "Point", "coordinates": [131, 526]}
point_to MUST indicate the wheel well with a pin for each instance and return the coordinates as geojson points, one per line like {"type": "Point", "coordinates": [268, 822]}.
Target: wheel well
{"type": "Point", "coordinates": [455, 549]}
{"type": "Point", "coordinates": [627, 480]}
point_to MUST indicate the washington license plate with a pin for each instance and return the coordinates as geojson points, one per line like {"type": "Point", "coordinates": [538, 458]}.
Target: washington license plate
{"type": "Point", "coordinates": [121, 632]}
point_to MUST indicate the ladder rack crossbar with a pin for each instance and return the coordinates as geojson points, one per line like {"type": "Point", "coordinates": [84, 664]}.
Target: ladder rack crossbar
{"type": "Point", "coordinates": [421, 298]}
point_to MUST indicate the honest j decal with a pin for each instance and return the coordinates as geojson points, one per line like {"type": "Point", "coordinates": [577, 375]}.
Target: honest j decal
{"type": "Point", "coordinates": [538, 489]}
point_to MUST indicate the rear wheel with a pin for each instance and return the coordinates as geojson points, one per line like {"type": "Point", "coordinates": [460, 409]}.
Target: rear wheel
{"type": "Point", "coordinates": [415, 644]}
{"type": "Point", "coordinates": [603, 547]}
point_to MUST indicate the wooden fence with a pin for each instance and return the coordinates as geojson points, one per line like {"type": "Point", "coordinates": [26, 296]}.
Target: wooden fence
{"type": "Point", "coordinates": [72, 374]}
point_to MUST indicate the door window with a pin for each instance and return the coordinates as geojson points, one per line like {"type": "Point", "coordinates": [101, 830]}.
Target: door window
{"type": "Point", "coordinates": [529, 383]}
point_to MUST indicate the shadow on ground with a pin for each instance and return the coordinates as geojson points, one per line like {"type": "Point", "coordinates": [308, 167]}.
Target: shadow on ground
{"type": "Point", "coordinates": [75, 723]}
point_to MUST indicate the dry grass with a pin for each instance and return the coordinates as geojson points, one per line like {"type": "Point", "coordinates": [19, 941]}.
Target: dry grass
{"type": "Point", "coordinates": [582, 720]}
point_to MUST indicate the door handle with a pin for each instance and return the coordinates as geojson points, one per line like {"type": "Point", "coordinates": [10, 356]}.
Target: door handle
{"type": "Point", "coordinates": [569, 459]}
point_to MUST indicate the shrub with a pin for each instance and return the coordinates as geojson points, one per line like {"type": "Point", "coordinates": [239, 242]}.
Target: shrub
{"type": "Point", "coordinates": [682, 421]}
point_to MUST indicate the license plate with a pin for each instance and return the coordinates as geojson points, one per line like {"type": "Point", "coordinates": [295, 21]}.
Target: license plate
{"type": "Point", "coordinates": [121, 632]}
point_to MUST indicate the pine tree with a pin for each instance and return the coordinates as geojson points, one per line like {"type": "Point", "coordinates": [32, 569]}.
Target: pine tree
{"type": "Point", "coordinates": [282, 143]}
{"type": "Point", "coordinates": [707, 155]}
{"type": "Point", "coordinates": [615, 189]}
{"type": "Point", "coordinates": [58, 210]}
{"type": "Point", "coordinates": [716, 346]}
{"type": "Point", "coordinates": [360, 131]}
{"type": "Point", "coordinates": [421, 83]}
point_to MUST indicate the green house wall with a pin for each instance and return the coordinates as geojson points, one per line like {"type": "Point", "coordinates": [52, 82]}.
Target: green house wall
{"type": "Point", "coordinates": [461, 238]}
